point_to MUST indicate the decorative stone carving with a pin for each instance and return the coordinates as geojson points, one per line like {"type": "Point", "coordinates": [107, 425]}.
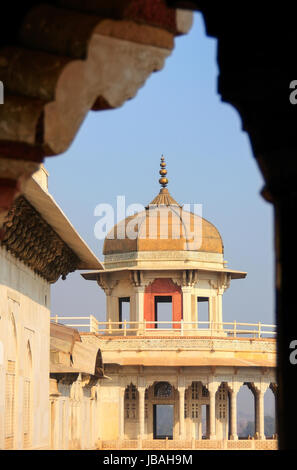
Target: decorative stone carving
{"type": "Point", "coordinates": [222, 283]}
{"type": "Point", "coordinates": [189, 278]}
{"type": "Point", "coordinates": [30, 239]}
{"type": "Point", "coordinates": [139, 281]}
{"type": "Point", "coordinates": [106, 283]}
{"type": "Point", "coordinates": [213, 283]}
{"type": "Point", "coordinates": [195, 378]}
{"type": "Point", "coordinates": [127, 380]}
{"type": "Point", "coordinates": [188, 343]}
{"type": "Point", "coordinates": [150, 380]}
{"type": "Point", "coordinates": [234, 385]}
{"type": "Point", "coordinates": [258, 386]}
{"type": "Point", "coordinates": [136, 278]}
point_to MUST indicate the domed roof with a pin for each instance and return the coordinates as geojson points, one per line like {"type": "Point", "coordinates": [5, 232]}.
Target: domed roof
{"type": "Point", "coordinates": [163, 226]}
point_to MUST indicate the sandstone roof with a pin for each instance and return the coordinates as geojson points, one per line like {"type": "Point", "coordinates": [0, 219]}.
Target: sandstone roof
{"type": "Point", "coordinates": [163, 227]}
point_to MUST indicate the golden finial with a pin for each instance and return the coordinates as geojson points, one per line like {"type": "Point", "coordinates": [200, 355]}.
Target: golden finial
{"type": "Point", "coordinates": [163, 172]}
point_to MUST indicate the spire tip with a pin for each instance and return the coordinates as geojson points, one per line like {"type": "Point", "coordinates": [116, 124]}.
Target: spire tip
{"type": "Point", "coordinates": [163, 172]}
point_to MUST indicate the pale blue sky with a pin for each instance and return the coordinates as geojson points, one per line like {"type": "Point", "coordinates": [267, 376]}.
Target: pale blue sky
{"type": "Point", "coordinates": [179, 113]}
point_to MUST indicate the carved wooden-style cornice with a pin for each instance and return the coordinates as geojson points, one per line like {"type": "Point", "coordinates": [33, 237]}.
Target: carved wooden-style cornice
{"type": "Point", "coordinates": [30, 239]}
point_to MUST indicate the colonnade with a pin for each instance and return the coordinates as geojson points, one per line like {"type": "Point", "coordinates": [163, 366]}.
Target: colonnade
{"type": "Point", "coordinates": [257, 388]}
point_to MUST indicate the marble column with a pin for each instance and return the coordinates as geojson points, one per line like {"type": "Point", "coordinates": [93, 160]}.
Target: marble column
{"type": "Point", "coordinates": [212, 414]}
{"type": "Point", "coordinates": [109, 310]}
{"type": "Point", "coordinates": [187, 306]}
{"type": "Point", "coordinates": [141, 397]}
{"type": "Point", "coordinates": [181, 392]}
{"type": "Point", "coordinates": [259, 396]}
{"type": "Point", "coordinates": [233, 420]}
{"type": "Point", "coordinates": [139, 306]}
{"type": "Point", "coordinates": [219, 309]}
{"type": "Point", "coordinates": [122, 413]}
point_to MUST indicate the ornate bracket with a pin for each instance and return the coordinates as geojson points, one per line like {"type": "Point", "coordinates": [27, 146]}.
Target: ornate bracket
{"type": "Point", "coordinates": [106, 284]}
{"type": "Point", "coordinates": [136, 278]}
{"type": "Point", "coordinates": [189, 278]}
{"type": "Point", "coordinates": [222, 283]}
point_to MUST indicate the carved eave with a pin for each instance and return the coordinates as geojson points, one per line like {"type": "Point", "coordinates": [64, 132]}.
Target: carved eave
{"type": "Point", "coordinates": [49, 210]}
{"type": "Point", "coordinates": [191, 273]}
{"type": "Point", "coordinates": [29, 238]}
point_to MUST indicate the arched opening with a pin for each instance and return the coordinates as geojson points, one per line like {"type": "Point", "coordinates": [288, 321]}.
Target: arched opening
{"type": "Point", "coordinates": [269, 414]}
{"type": "Point", "coordinates": [163, 390]}
{"type": "Point", "coordinates": [245, 411]}
{"type": "Point", "coordinates": [163, 411]}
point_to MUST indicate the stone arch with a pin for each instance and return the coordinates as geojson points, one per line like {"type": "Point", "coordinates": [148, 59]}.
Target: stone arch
{"type": "Point", "coordinates": [246, 402]}
{"type": "Point", "coordinates": [28, 360]}
{"type": "Point", "coordinates": [270, 412]}
{"type": "Point", "coordinates": [153, 381]}
{"type": "Point", "coordinates": [162, 397]}
{"type": "Point", "coordinates": [12, 343]}
{"type": "Point", "coordinates": [150, 390]}
{"type": "Point", "coordinates": [163, 389]}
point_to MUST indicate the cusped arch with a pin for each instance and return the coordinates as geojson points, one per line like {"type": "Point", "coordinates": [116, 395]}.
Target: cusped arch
{"type": "Point", "coordinates": [12, 339]}
{"type": "Point", "coordinates": [28, 360]}
{"type": "Point", "coordinates": [163, 389]}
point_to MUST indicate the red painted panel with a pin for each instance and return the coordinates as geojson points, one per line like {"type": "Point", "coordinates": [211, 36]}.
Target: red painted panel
{"type": "Point", "coordinates": [164, 287]}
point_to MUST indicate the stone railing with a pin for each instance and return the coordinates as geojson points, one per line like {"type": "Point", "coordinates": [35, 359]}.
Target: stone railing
{"type": "Point", "coordinates": [206, 444]}
{"type": "Point", "coordinates": [175, 328]}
